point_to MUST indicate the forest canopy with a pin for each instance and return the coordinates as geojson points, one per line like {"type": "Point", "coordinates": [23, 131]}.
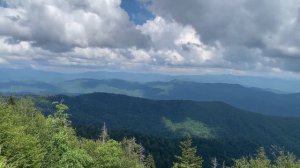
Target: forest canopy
{"type": "Point", "coordinates": [30, 139]}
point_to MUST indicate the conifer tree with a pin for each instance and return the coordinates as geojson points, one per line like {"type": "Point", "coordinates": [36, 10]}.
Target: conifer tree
{"type": "Point", "coordinates": [149, 161]}
{"type": "Point", "coordinates": [11, 100]}
{"type": "Point", "coordinates": [188, 158]}
{"type": "Point", "coordinates": [104, 134]}
{"type": "Point", "coordinates": [214, 163]}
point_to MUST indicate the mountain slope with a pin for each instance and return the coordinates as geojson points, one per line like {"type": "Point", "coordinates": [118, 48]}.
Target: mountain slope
{"type": "Point", "coordinates": [107, 86]}
{"type": "Point", "coordinates": [252, 99]}
{"type": "Point", "coordinates": [28, 87]}
{"type": "Point", "coordinates": [205, 120]}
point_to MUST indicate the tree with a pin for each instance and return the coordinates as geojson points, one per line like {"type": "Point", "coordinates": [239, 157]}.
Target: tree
{"type": "Point", "coordinates": [133, 153]}
{"type": "Point", "coordinates": [188, 158]}
{"type": "Point", "coordinates": [259, 161]}
{"type": "Point", "coordinates": [214, 163]}
{"type": "Point", "coordinates": [104, 134]}
{"type": "Point", "coordinates": [285, 159]}
{"type": "Point", "coordinates": [62, 113]}
{"type": "Point", "coordinates": [11, 100]}
{"type": "Point", "coordinates": [149, 161]}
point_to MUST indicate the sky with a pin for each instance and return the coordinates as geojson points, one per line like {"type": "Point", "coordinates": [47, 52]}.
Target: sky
{"type": "Point", "coordinates": [168, 36]}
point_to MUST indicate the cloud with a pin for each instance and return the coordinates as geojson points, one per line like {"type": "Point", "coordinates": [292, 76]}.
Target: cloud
{"type": "Point", "coordinates": [253, 33]}
{"type": "Point", "coordinates": [176, 44]}
{"type": "Point", "coordinates": [58, 25]}
{"type": "Point", "coordinates": [196, 35]}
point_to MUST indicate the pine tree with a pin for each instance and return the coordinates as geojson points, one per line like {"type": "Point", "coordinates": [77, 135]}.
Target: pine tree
{"type": "Point", "coordinates": [149, 161]}
{"type": "Point", "coordinates": [260, 161]}
{"type": "Point", "coordinates": [214, 163]}
{"type": "Point", "coordinates": [104, 134]}
{"type": "Point", "coordinates": [11, 100]}
{"type": "Point", "coordinates": [188, 158]}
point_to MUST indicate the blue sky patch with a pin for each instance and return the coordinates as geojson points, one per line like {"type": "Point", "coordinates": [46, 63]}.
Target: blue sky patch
{"type": "Point", "coordinates": [137, 11]}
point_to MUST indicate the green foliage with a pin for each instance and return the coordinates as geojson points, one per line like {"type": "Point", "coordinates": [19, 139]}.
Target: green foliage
{"type": "Point", "coordinates": [281, 160]}
{"type": "Point", "coordinates": [149, 162]}
{"type": "Point", "coordinates": [17, 140]}
{"type": "Point", "coordinates": [3, 162]}
{"type": "Point", "coordinates": [237, 132]}
{"type": "Point", "coordinates": [28, 139]}
{"type": "Point", "coordinates": [133, 153]}
{"type": "Point", "coordinates": [109, 155]}
{"type": "Point", "coordinates": [286, 160]}
{"type": "Point", "coordinates": [188, 157]}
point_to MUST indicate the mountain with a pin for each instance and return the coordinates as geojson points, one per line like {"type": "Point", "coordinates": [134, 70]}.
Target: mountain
{"type": "Point", "coordinates": [55, 77]}
{"type": "Point", "coordinates": [274, 84]}
{"type": "Point", "coordinates": [280, 85]}
{"type": "Point", "coordinates": [107, 86]}
{"type": "Point", "coordinates": [28, 87]}
{"type": "Point", "coordinates": [252, 99]}
{"type": "Point", "coordinates": [247, 98]}
{"type": "Point", "coordinates": [177, 118]}
{"type": "Point", "coordinates": [218, 129]}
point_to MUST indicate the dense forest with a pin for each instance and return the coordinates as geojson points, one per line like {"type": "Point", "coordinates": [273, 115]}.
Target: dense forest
{"type": "Point", "coordinates": [30, 139]}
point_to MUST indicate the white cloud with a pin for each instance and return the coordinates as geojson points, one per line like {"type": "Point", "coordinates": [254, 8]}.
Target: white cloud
{"type": "Point", "coordinates": [177, 44]}
{"type": "Point", "coordinates": [208, 36]}
{"type": "Point", "coordinates": [60, 25]}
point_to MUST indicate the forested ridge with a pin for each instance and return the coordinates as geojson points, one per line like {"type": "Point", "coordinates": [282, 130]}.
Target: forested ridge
{"type": "Point", "coordinates": [30, 139]}
{"type": "Point", "coordinates": [252, 99]}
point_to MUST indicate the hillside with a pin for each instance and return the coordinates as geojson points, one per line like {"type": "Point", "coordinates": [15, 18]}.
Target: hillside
{"type": "Point", "coordinates": [251, 99]}
{"type": "Point", "coordinates": [28, 87]}
{"type": "Point", "coordinates": [204, 120]}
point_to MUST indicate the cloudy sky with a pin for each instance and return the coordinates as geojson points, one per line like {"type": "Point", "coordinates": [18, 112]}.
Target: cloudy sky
{"type": "Point", "coordinates": [170, 36]}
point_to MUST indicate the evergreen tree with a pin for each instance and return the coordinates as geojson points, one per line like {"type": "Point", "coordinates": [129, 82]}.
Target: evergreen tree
{"type": "Point", "coordinates": [104, 134]}
{"type": "Point", "coordinates": [188, 158]}
{"type": "Point", "coordinates": [214, 163]}
{"type": "Point", "coordinates": [149, 162]}
{"type": "Point", "coordinates": [11, 100]}
{"type": "Point", "coordinates": [260, 161]}
{"type": "Point", "coordinates": [133, 152]}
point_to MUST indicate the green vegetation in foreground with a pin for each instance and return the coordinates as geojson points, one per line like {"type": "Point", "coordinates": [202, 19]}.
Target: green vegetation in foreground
{"type": "Point", "coordinates": [30, 140]}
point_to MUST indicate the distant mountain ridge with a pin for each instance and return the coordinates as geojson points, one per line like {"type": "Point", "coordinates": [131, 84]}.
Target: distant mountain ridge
{"type": "Point", "coordinates": [252, 99]}
{"type": "Point", "coordinates": [275, 84]}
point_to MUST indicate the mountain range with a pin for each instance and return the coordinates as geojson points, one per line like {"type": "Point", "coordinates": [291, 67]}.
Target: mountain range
{"type": "Point", "coordinates": [217, 128]}
{"type": "Point", "coordinates": [247, 98]}
{"type": "Point", "coordinates": [275, 84]}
